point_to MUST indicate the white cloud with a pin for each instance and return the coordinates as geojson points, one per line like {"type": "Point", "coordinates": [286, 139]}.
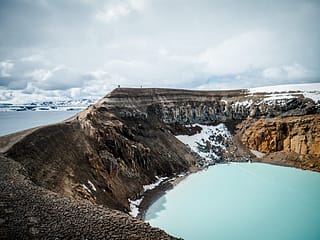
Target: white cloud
{"type": "Point", "coordinates": [240, 53]}
{"type": "Point", "coordinates": [5, 95]}
{"type": "Point", "coordinates": [41, 74]}
{"type": "Point", "coordinates": [113, 13]}
{"type": "Point", "coordinates": [178, 44]}
{"type": "Point", "coordinates": [293, 74]}
{"type": "Point", "coordinates": [75, 93]}
{"type": "Point", "coordinates": [33, 58]}
{"type": "Point", "coordinates": [138, 4]}
{"type": "Point", "coordinates": [60, 78]}
{"type": "Point", "coordinates": [289, 72]}
{"type": "Point", "coordinates": [37, 95]}
{"type": "Point", "coordinates": [118, 9]}
{"type": "Point", "coordinates": [5, 68]}
{"type": "Point", "coordinates": [274, 73]}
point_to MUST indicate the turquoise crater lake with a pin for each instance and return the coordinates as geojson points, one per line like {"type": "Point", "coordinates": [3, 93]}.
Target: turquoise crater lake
{"type": "Point", "coordinates": [242, 201]}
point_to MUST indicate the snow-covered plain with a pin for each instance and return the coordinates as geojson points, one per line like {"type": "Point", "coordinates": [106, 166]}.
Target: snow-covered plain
{"type": "Point", "coordinates": [207, 142]}
{"type": "Point", "coordinates": [74, 105]}
{"type": "Point", "coordinates": [310, 90]}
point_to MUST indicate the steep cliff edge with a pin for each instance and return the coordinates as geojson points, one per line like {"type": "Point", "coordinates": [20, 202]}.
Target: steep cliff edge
{"type": "Point", "coordinates": [208, 107]}
{"type": "Point", "coordinates": [291, 141]}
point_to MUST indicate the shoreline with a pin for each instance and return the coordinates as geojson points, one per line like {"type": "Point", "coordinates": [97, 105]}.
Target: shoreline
{"type": "Point", "coordinates": [151, 196]}
{"type": "Point", "coordinates": [280, 163]}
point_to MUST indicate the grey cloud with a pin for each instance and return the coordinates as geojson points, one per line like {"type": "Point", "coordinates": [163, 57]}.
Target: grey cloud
{"type": "Point", "coordinates": [13, 83]}
{"type": "Point", "coordinates": [18, 84]}
{"type": "Point", "coordinates": [6, 96]}
{"type": "Point", "coordinates": [61, 79]}
{"type": "Point", "coordinates": [4, 81]}
{"type": "Point", "coordinates": [39, 23]}
{"type": "Point", "coordinates": [164, 43]}
{"type": "Point", "coordinates": [42, 76]}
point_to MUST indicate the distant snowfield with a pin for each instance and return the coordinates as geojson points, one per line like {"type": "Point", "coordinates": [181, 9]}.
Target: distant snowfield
{"type": "Point", "coordinates": [310, 90]}
{"type": "Point", "coordinates": [69, 105]}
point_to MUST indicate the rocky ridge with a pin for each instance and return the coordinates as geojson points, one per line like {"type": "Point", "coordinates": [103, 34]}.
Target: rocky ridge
{"type": "Point", "coordinates": [208, 107]}
{"type": "Point", "coordinates": [108, 152]}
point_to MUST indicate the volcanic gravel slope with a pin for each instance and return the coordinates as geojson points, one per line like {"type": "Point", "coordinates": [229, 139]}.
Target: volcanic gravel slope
{"type": "Point", "coordinates": [31, 212]}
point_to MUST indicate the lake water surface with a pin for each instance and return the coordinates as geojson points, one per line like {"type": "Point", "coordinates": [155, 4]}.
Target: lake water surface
{"type": "Point", "coordinates": [242, 201]}
{"type": "Point", "coordinates": [12, 121]}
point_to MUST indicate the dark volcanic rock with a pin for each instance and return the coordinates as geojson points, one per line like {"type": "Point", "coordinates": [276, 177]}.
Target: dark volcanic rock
{"type": "Point", "coordinates": [116, 156]}
{"type": "Point", "coordinates": [31, 212]}
{"type": "Point", "coordinates": [209, 107]}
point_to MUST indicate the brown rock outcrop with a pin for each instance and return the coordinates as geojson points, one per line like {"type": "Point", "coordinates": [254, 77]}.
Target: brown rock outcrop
{"type": "Point", "coordinates": [299, 137]}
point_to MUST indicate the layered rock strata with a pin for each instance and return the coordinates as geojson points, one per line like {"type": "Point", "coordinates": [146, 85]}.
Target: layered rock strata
{"type": "Point", "coordinates": [209, 107]}
{"type": "Point", "coordinates": [293, 141]}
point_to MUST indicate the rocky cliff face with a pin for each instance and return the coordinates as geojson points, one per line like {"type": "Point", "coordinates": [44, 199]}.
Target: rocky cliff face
{"type": "Point", "coordinates": [297, 136]}
{"type": "Point", "coordinates": [210, 107]}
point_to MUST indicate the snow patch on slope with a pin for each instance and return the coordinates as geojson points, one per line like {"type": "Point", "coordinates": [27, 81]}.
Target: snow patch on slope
{"type": "Point", "coordinates": [209, 143]}
{"type": "Point", "coordinates": [257, 153]}
{"type": "Point", "coordinates": [86, 188]}
{"type": "Point", "coordinates": [154, 185]}
{"type": "Point", "coordinates": [246, 103]}
{"type": "Point", "coordinates": [92, 186]}
{"type": "Point", "coordinates": [134, 204]}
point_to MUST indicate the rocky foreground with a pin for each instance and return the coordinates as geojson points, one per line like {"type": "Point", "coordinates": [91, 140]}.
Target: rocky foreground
{"type": "Point", "coordinates": [74, 179]}
{"type": "Point", "coordinates": [31, 212]}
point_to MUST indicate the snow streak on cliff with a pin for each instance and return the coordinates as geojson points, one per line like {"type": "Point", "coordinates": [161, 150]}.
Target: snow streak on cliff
{"type": "Point", "coordinates": [209, 143]}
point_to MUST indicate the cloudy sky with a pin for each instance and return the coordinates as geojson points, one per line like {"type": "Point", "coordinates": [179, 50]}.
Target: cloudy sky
{"type": "Point", "coordinates": [57, 49]}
